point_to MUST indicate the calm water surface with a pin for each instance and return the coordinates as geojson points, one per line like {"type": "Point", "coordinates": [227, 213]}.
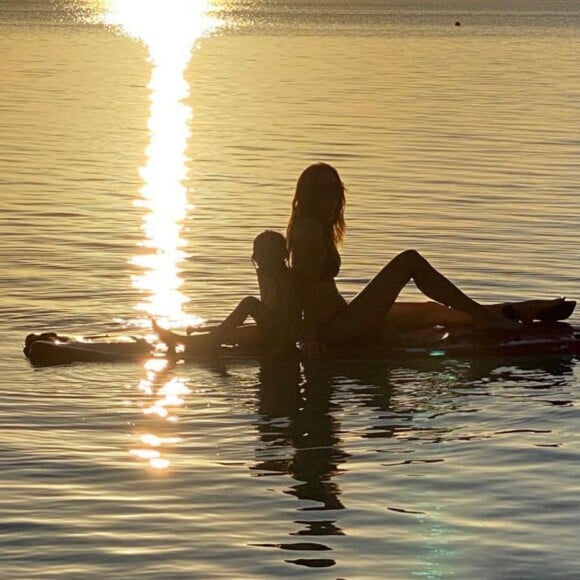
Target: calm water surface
{"type": "Point", "coordinates": [142, 146]}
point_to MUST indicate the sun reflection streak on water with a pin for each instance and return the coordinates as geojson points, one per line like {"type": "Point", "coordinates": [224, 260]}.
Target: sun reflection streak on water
{"type": "Point", "coordinates": [169, 29]}
{"type": "Point", "coordinates": [164, 395]}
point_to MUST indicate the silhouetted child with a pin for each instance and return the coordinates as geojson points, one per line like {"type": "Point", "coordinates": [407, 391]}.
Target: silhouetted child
{"type": "Point", "coordinates": [275, 313]}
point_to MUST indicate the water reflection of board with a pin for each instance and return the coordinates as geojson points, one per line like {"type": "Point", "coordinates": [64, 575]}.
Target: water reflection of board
{"type": "Point", "coordinates": [537, 339]}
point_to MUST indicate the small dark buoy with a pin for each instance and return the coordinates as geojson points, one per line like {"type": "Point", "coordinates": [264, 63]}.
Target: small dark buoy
{"type": "Point", "coordinates": [457, 23]}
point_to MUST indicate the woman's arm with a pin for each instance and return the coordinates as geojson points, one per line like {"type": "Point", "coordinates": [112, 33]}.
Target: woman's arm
{"type": "Point", "coordinates": [306, 257]}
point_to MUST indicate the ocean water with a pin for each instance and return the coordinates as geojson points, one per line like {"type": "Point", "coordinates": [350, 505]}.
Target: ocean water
{"type": "Point", "coordinates": [142, 146]}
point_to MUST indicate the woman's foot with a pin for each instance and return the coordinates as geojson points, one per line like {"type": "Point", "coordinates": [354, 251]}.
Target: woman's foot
{"type": "Point", "coordinates": [544, 310]}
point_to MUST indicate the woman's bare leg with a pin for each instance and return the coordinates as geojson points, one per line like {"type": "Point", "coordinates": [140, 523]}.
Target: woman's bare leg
{"type": "Point", "coordinates": [364, 315]}
{"type": "Point", "coordinates": [404, 316]}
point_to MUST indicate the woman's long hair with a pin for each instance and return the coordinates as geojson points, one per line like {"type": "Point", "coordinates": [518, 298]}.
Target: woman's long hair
{"type": "Point", "coordinates": [306, 202]}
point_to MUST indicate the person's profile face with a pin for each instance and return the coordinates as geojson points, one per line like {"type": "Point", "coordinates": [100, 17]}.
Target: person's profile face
{"type": "Point", "coordinates": [329, 191]}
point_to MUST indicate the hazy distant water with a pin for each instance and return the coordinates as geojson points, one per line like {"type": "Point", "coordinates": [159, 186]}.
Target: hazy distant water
{"type": "Point", "coordinates": [460, 141]}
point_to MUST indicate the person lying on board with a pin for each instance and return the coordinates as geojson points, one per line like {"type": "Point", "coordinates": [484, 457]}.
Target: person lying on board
{"type": "Point", "coordinates": [275, 313]}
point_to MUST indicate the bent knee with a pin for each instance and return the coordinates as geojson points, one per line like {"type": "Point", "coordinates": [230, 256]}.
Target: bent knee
{"type": "Point", "coordinates": [407, 258]}
{"type": "Point", "coordinates": [250, 301]}
{"type": "Point", "coordinates": [409, 255]}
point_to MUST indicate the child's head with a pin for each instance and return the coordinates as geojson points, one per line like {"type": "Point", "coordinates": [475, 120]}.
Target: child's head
{"type": "Point", "coordinates": [270, 252]}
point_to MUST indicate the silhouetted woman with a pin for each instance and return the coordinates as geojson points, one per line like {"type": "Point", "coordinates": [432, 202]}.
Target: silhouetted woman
{"type": "Point", "coordinates": [315, 231]}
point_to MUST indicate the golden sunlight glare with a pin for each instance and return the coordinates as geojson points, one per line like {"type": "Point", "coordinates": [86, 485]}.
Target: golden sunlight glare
{"type": "Point", "coordinates": [169, 29]}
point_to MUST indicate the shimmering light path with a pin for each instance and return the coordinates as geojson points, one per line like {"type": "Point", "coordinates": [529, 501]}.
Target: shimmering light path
{"type": "Point", "coordinates": [461, 142]}
{"type": "Point", "coordinates": [169, 29]}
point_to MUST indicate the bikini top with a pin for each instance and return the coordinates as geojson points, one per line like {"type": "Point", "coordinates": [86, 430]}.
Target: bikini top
{"type": "Point", "coordinates": [331, 262]}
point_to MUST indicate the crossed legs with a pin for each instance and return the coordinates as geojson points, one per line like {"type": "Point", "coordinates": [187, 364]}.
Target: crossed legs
{"type": "Point", "coordinates": [364, 316]}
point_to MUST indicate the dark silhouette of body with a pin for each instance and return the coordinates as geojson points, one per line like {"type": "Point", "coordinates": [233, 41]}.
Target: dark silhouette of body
{"type": "Point", "coordinates": [314, 233]}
